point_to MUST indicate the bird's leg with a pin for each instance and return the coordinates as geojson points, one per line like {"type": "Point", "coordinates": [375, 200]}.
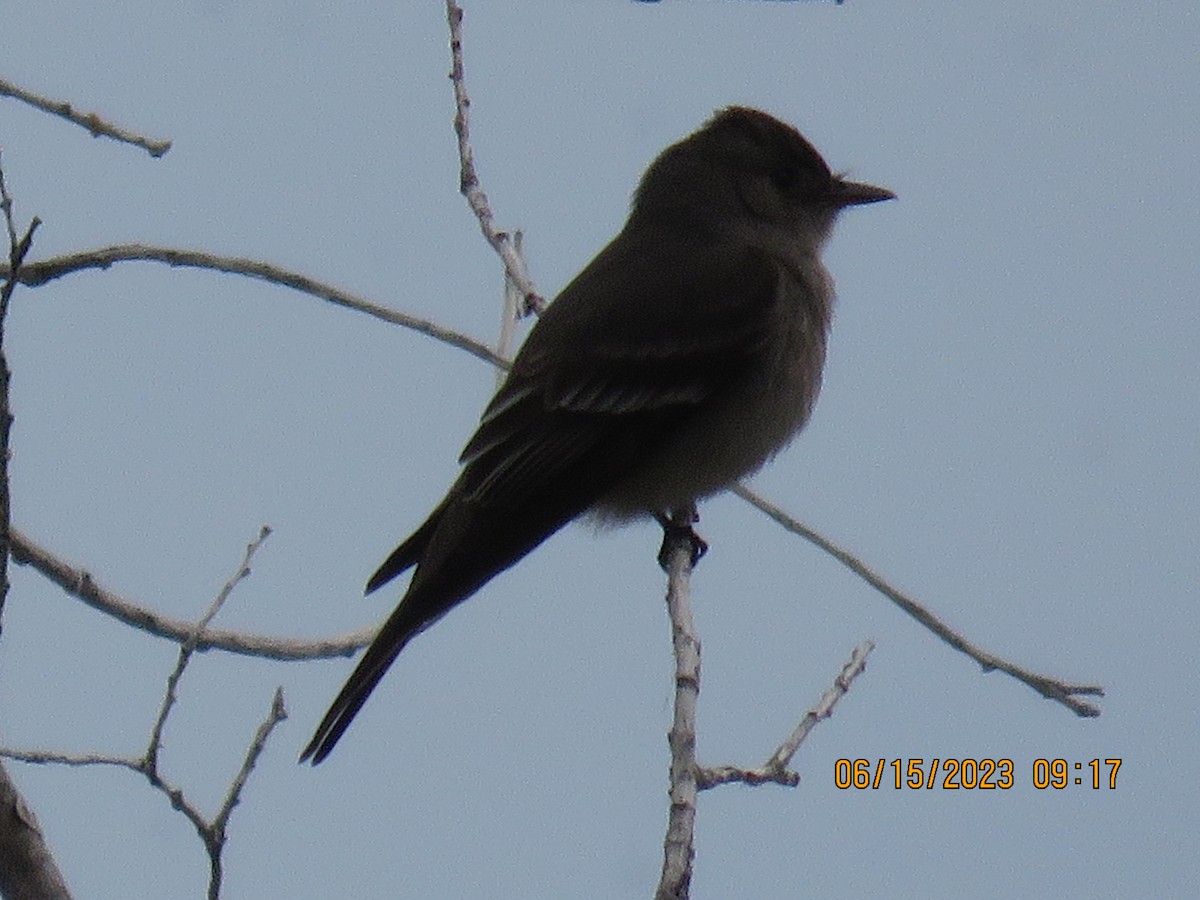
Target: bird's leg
{"type": "Point", "coordinates": [677, 528]}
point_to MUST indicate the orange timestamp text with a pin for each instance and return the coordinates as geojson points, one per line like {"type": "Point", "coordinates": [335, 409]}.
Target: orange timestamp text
{"type": "Point", "coordinates": [971, 774]}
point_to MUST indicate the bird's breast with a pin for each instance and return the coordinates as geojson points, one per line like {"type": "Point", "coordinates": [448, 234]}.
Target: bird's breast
{"type": "Point", "coordinates": [744, 423]}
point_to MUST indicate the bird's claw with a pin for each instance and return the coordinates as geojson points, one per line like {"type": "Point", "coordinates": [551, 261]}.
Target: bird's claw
{"type": "Point", "coordinates": [677, 529]}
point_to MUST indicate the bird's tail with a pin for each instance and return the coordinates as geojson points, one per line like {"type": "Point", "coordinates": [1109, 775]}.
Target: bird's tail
{"type": "Point", "coordinates": [407, 554]}
{"type": "Point", "coordinates": [456, 551]}
{"type": "Point", "coordinates": [397, 631]}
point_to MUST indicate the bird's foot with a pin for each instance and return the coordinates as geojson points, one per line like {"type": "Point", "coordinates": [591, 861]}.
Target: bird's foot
{"type": "Point", "coordinates": [677, 530]}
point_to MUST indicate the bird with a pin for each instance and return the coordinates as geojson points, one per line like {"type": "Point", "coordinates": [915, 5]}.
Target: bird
{"type": "Point", "coordinates": [684, 356]}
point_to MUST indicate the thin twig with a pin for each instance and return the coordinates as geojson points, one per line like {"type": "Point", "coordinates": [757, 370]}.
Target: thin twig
{"type": "Point", "coordinates": [1051, 688]}
{"type": "Point", "coordinates": [775, 770]}
{"type": "Point", "coordinates": [91, 121]}
{"type": "Point", "coordinates": [38, 273]}
{"type": "Point", "coordinates": [509, 313]}
{"type": "Point", "coordinates": [78, 583]}
{"type": "Point", "coordinates": [215, 835]}
{"type": "Point", "coordinates": [277, 714]}
{"type": "Point", "coordinates": [18, 248]}
{"type": "Point", "coordinates": [189, 647]}
{"type": "Point", "coordinates": [212, 832]}
{"type": "Point", "coordinates": [468, 180]}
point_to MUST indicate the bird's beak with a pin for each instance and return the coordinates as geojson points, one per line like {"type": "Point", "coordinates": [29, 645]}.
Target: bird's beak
{"type": "Point", "coordinates": [854, 193]}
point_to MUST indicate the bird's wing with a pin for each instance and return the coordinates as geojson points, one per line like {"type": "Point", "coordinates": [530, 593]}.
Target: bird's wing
{"type": "Point", "coordinates": [620, 357]}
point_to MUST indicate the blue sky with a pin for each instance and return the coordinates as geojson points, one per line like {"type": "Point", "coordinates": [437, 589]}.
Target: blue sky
{"type": "Point", "coordinates": [1008, 430]}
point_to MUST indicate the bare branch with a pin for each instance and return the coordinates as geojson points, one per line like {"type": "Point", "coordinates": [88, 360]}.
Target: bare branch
{"type": "Point", "coordinates": [18, 248]}
{"type": "Point", "coordinates": [678, 847]}
{"type": "Point", "coordinates": [78, 583]}
{"type": "Point", "coordinates": [233, 796]}
{"type": "Point", "coordinates": [468, 182]}
{"type": "Point", "coordinates": [510, 311]}
{"type": "Point", "coordinates": [55, 758]}
{"type": "Point", "coordinates": [38, 273]}
{"type": "Point", "coordinates": [91, 121]}
{"type": "Point", "coordinates": [189, 647]}
{"type": "Point", "coordinates": [1051, 688]}
{"type": "Point", "coordinates": [212, 833]}
{"type": "Point", "coordinates": [214, 836]}
{"type": "Point", "coordinates": [775, 770]}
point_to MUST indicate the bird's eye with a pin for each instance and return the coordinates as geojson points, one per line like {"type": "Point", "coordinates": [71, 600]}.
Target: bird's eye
{"type": "Point", "coordinates": [784, 180]}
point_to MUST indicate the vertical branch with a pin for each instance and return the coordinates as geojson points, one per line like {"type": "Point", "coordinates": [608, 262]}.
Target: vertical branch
{"type": "Point", "coordinates": [679, 553]}
{"type": "Point", "coordinates": [510, 313]}
{"type": "Point", "coordinates": [17, 250]}
{"type": "Point", "coordinates": [468, 180]}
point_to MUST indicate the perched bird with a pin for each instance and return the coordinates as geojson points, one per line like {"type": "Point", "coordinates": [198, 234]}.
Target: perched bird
{"type": "Point", "coordinates": [685, 355]}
